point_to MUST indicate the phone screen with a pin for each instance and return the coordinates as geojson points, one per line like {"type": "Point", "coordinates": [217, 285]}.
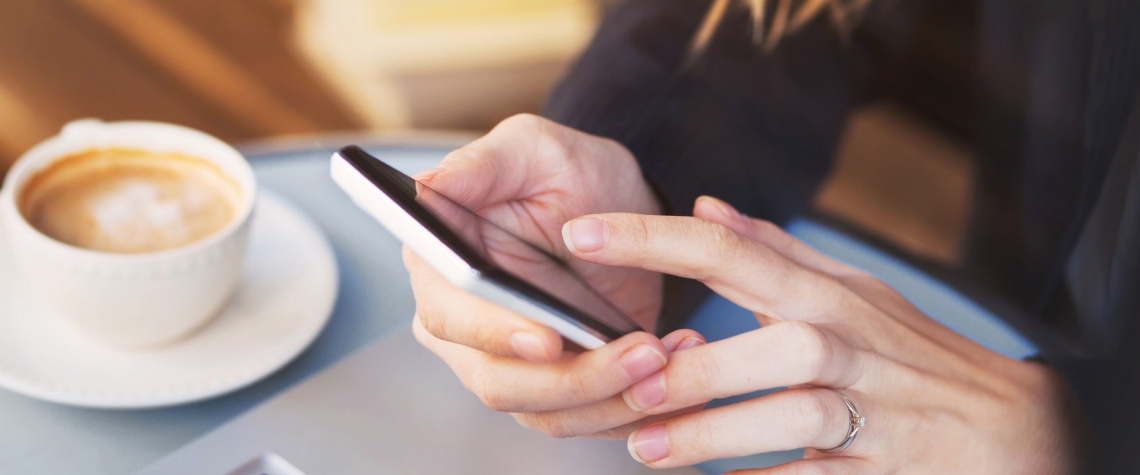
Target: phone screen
{"type": "Point", "coordinates": [498, 255]}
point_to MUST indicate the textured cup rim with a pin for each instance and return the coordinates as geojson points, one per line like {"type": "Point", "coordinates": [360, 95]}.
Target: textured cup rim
{"type": "Point", "coordinates": [91, 133]}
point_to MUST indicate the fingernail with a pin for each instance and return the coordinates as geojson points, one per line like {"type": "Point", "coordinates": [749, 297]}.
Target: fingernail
{"type": "Point", "coordinates": [689, 342]}
{"type": "Point", "coordinates": [427, 175]}
{"type": "Point", "coordinates": [529, 347]}
{"type": "Point", "coordinates": [647, 393]}
{"type": "Point", "coordinates": [726, 209]}
{"type": "Point", "coordinates": [649, 444]}
{"type": "Point", "coordinates": [641, 361]}
{"type": "Point", "coordinates": [585, 234]}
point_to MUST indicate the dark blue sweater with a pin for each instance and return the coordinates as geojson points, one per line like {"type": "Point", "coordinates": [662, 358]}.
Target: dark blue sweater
{"type": "Point", "coordinates": [1045, 91]}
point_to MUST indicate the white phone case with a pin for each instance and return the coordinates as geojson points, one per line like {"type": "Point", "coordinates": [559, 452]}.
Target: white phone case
{"type": "Point", "coordinates": [446, 262]}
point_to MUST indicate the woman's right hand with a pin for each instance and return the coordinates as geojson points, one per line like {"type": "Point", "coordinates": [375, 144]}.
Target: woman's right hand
{"type": "Point", "coordinates": [530, 176]}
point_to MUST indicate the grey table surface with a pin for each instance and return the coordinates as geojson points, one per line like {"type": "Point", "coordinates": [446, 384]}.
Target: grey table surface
{"type": "Point", "coordinates": [392, 408]}
{"type": "Point", "coordinates": [375, 297]}
{"type": "Point", "coordinates": [374, 301]}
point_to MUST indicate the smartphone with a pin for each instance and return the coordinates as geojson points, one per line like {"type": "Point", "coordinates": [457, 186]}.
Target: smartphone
{"type": "Point", "coordinates": [476, 255]}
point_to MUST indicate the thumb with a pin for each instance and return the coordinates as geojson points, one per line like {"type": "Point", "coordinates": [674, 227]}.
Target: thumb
{"type": "Point", "coordinates": [506, 164]}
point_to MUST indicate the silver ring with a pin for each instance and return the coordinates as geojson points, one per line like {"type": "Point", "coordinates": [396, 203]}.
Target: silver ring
{"type": "Point", "coordinates": [857, 422]}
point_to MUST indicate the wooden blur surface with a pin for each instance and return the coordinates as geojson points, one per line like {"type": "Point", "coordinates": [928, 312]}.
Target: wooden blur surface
{"type": "Point", "coordinates": [225, 67]}
{"type": "Point", "coordinates": [230, 68]}
{"type": "Point", "coordinates": [904, 180]}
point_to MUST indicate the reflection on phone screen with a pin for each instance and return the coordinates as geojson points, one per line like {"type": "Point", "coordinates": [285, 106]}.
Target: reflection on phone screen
{"type": "Point", "coordinates": [521, 259]}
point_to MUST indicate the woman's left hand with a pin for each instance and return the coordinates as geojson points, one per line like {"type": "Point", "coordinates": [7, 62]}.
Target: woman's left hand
{"type": "Point", "coordinates": [933, 400]}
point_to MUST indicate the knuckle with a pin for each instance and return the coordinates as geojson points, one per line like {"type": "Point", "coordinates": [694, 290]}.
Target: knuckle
{"type": "Point", "coordinates": [637, 231]}
{"type": "Point", "coordinates": [579, 386]}
{"type": "Point", "coordinates": [457, 155]}
{"type": "Point", "coordinates": [724, 248]}
{"type": "Point", "coordinates": [477, 152]}
{"type": "Point", "coordinates": [488, 337]}
{"type": "Point", "coordinates": [814, 345]}
{"type": "Point", "coordinates": [617, 433]}
{"type": "Point", "coordinates": [428, 318]}
{"type": "Point", "coordinates": [630, 235]}
{"type": "Point", "coordinates": [559, 429]}
{"type": "Point", "coordinates": [724, 239]}
{"type": "Point", "coordinates": [492, 399]}
{"type": "Point", "coordinates": [559, 426]}
{"type": "Point", "coordinates": [813, 418]}
{"type": "Point", "coordinates": [524, 120]}
{"type": "Point", "coordinates": [553, 424]}
{"type": "Point", "coordinates": [483, 385]}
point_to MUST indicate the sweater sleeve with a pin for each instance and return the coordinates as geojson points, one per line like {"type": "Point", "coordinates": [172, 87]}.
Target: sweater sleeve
{"type": "Point", "coordinates": [756, 129]}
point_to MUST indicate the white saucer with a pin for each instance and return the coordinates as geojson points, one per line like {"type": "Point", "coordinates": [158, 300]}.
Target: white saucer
{"type": "Point", "coordinates": [286, 294]}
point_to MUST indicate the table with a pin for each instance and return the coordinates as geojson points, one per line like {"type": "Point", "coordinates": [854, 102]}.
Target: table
{"type": "Point", "coordinates": [375, 298]}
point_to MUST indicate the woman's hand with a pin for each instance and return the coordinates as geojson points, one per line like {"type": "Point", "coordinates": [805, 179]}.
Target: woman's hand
{"type": "Point", "coordinates": [934, 401]}
{"type": "Point", "coordinates": [530, 176]}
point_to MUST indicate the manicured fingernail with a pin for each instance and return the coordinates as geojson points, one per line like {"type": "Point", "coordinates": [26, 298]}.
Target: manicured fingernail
{"type": "Point", "coordinates": [585, 234]}
{"type": "Point", "coordinates": [529, 347]}
{"type": "Point", "coordinates": [641, 361]}
{"type": "Point", "coordinates": [689, 342]}
{"type": "Point", "coordinates": [726, 209]}
{"type": "Point", "coordinates": [647, 393]}
{"type": "Point", "coordinates": [427, 175]}
{"type": "Point", "coordinates": [649, 444]}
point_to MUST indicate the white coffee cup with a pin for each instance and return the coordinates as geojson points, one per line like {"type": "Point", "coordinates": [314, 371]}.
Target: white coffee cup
{"type": "Point", "coordinates": [130, 300]}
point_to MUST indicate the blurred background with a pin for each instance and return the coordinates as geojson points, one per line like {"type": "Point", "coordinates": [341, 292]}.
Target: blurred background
{"type": "Point", "coordinates": [254, 69]}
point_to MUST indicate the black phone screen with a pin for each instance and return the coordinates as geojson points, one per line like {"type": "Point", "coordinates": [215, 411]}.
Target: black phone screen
{"type": "Point", "coordinates": [508, 260]}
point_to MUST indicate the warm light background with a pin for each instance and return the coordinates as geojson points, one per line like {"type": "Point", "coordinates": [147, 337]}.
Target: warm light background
{"type": "Point", "coordinates": [251, 69]}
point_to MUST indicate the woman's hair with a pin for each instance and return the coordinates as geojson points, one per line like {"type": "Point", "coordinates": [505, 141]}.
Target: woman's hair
{"type": "Point", "coordinates": [843, 14]}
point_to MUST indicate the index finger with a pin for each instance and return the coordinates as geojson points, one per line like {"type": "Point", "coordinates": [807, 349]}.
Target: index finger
{"type": "Point", "coordinates": [512, 385]}
{"type": "Point", "coordinates": [743, 270]}
{"type": "Point", "coordinates": [454, 315]}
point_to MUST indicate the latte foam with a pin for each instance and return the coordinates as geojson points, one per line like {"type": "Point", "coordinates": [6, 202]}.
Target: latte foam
{"type": "Point", "coordinates": [129, 201]}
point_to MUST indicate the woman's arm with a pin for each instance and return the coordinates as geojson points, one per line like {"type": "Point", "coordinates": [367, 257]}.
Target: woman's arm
{"type": "Point", "coordinates": [757, 129]}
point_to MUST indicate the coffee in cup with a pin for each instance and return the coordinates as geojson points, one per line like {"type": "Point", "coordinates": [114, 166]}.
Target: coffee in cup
{"type": "Point", "coordinates": [129, 201]}
{"type": "Point", "coordinates": [134, 232]}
